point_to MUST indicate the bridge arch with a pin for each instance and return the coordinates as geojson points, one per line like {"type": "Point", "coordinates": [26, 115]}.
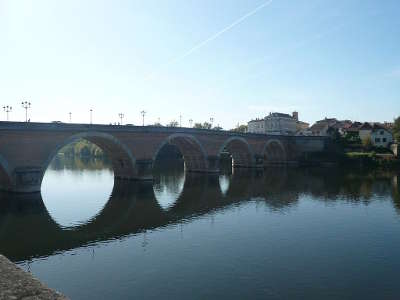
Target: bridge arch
{"type": "Point", "coordinates": [193, 153]}
{"type": "Point", "coordinates": [123, 162]}
{"type": "Point", "coordinates": [274, 152]}
{"type": "Point", "coordinates": [241, 151]}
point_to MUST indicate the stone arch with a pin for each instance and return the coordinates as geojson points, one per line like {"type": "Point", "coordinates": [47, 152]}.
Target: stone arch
{"type": "Point", "coordinates": [5, 175]}
{"type": "Point", "coordinates": [123, 162]}
{"type": "Point", "coordinates": [239, 148]}
{"type": "Point", "coordinates": [193, 153]}
{"type": "Point", "coordinates": [274, 152]}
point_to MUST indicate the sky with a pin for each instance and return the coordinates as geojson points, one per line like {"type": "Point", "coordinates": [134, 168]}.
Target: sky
{"type": "Point", "coordinates": [230, 60]}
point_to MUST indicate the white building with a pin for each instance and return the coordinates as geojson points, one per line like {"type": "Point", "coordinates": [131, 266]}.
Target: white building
{"type": "Point", "coordinates": [256, 126]}
{"type": "Point", "coordinates": [381, 137]}
{"type": "Point", "coordinates": [276, 123]}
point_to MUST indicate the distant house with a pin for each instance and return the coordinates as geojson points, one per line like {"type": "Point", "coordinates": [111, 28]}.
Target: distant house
{"type": "Point", "coordinates": [342, 126]}
{"type": "Point", "coordinates": [381, 136]}
{"type": "Point", "coordinates": [277, 124]}
{"type": "Point", "coordinates": [364, 131]}
{"type": "Point", "coordinates": [323, 127]}
{"type": "Point", "coordinates": [256, 126]}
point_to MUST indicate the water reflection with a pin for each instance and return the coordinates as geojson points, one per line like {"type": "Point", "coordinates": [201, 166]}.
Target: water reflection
{"type": "Point", "coordinates": [168, 186]}
{"type": "Point", "coordinates": [32, 226]}
{"type": "Point", "coordinates": [67, 189]}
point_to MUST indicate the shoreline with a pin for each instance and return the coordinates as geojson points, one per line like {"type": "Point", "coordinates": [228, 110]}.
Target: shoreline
{"type": "Point", "coordinates": [15, 283]}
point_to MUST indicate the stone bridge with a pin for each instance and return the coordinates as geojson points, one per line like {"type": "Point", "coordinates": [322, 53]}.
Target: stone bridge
{"type": "Point", "coordinates": [26, 149]}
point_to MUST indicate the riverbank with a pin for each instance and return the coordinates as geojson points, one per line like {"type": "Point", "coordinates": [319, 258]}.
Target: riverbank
{"type": "Point", "coordinates": [371, 160]}
{"type": "Point", "coordinates": [17, 284]}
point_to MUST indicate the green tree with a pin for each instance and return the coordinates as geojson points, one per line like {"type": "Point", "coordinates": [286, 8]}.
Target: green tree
{"type": "Point", "coordinates": [205, 125]}
{"type": "Point", "coordinates": [240, 128]}
{"type": "Point", "coordinates": [173, 124]}
{"type": "Point", "coordinates": [396, 129]}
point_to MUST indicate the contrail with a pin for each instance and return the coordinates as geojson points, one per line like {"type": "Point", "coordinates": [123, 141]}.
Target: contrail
{"type": "Point", "coordinates": [211, 38]}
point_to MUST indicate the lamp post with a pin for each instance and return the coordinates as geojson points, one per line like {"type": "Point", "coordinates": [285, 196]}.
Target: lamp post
{"type": "Point", "coordinates": [7, 109]}
{"type": "Point", "coordinates": [121, 116]}
{"type": "Point", "coordinates": [91, 116]}
{"type": "Point", "coordinates": [26, 105]}
{"type": "Point", "coordinates": [143, 113]}
{"type": "Point", "coordinates": [190, 122]}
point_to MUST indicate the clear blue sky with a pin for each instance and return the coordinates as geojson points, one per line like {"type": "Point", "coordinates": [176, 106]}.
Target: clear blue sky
{"type": "Point", "coordinates": [227, 59]}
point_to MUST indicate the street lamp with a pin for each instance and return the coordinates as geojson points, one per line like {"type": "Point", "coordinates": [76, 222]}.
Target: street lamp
{"type": "Point", "coordinates": [190, 122]}
{"type": "Point", "coordinates": [91, 116]}
{"type": "Point", "coordinates": [121, 116]}
{"type": "Point", "coordinates": [26, 105]}
{"type": "Point", "coordinates": [7, 109]}
{"type": "Point", "coordinates": [143, 113]}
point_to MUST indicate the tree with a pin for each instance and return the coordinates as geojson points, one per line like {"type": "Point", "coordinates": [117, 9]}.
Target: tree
{"type": "Point", "coordinates": [396, 129]}
{"type": "Point", "coordinates": [205, 125]}
{"type": "Point", "coordinates": [240, 128]}
{"type": "Point", "coordinates": [173, 124]}
{"type": "Point", "coordinates": [158, 124]}
{"type": "Point", "coordinates": [217, 128]}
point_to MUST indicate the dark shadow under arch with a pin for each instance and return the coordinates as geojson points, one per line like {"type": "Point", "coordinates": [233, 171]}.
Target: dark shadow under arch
{"type": "Point", "coordinates": [274, 153]}
{"type": "Point", "coordinates": [192, 151]}
{"type": "Point", "coordinates": [240, 150]}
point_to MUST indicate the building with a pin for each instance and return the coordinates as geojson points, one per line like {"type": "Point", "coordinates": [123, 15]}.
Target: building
{"type": "Point", "coordinates": [323, 127]}
{"type": "Point", "coordinates": [256, 126]}
{"type": "Point", "coordinates": [381, 136]}
{"type": "Point", "coordinates": [277, 124]}
{"type": "Point", "coordinates": [364, 131]}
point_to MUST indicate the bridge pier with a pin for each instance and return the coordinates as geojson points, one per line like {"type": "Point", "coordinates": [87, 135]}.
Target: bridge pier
{"type": "Point", "coordinates": [144, 170]}
{"type": "Point", "coordinates": [27, 180]}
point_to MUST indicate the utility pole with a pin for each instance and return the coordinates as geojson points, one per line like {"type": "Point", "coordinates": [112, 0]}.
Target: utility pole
{"type": "Point", "coordinates": [26, 105]}
{"type": "Point", "coordinates": [121, 116]}
{"type": "Point", "coordinates": [91, 116]}
{"type": "Point", "coordinates": [7, 109]}
{"type": "Point", "coordinates": [190, 122]}
{"type": "Point", "coordinates": [143, 113]}
{"type": "Point", "coordinates": [70, 117]}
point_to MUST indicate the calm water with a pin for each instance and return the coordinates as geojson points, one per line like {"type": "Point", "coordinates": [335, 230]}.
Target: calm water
{"type": "Point", "coordinates": [281, 234]}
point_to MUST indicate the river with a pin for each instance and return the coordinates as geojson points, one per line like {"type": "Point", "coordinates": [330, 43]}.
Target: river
{"type": "Point", "coordinates": [285, 233]}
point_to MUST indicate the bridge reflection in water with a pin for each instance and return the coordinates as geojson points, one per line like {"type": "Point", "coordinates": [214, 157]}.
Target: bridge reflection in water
{"type": "Point", "coordinates": [27, 230]}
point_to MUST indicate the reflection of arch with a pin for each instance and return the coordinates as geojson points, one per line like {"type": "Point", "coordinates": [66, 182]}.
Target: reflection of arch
{"type": "Point", "coordinates": [274, 152]}
{"type": "Point", "coordinates": [5, 174]}
{"type": "Point", "coordinates": [121, 157]}
{"type": "Point", "coordinates": [167, 189]}
{"type": "Point", "coordinates": [224, 183]}
{"type": "Point", "coordinates": [240, 150]}
{"type": "Point", "coordinates": [192, 151]}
